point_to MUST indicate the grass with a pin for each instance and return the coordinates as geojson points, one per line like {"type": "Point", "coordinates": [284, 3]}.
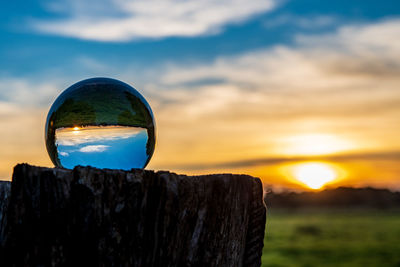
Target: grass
{"type": "Point", "coordinates": [103, 105]}
{"type": "Point", "coordinates": [332, 238]}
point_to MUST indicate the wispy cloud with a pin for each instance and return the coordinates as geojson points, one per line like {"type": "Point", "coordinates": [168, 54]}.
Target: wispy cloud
{"type": "Point", "coordinates": [26, 92]}
{"type": "Point", "coordinates": [343, 84]}
{"type": "Point", "coordinates": [122, 20]}
{"type": "Point", "coordinates": [23, 107]}
{"type": "Point", "coordinates": [237, 111]}
{"type": "Point", "coordinates": [94, 148]}
{"type": "Point", "coordinates": [268, 161]}
{"type": "Point", "coordinates": [70, 137]}
{"type": "Point", "coordinates": [306, 22]}
{"type": "Point", "coordinates": [64, 154]}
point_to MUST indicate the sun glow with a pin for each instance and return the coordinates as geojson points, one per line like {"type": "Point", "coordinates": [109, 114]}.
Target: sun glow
{"type": "Point", "coordinates": [314, 174]}
{"type": "Point", "coordinates": [76, 130]}
{"type": "Point", "coordinates": [315, 144]}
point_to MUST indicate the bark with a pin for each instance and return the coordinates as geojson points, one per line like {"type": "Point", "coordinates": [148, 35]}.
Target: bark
{"type": "Point", "coordinates": [94, 217]}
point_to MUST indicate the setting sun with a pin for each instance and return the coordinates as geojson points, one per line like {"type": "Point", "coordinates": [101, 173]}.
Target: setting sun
{"type": "Point", "coordinates": [315, 174]}
{"type": "Point", "coordinates": [76, 130]}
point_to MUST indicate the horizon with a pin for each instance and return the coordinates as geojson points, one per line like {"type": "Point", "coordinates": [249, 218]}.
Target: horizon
{"type": "Point", "coordinates": [303, 95]}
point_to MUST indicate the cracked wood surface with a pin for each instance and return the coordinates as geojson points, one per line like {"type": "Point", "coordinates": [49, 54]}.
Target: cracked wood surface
{"type": "Point", "coordinates": [99, 217]}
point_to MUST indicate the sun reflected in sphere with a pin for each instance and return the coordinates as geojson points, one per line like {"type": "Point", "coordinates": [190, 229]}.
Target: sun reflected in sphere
{"type": "Point", "coordinates": [102, 123]}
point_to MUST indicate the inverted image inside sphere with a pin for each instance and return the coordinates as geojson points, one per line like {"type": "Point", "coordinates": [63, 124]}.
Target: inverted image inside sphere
{"type": "Point", "coordinates": [100, 122]}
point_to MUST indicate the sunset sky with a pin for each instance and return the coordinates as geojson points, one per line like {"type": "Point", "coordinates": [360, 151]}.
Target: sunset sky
{"type": "Point", "coordinates": [281, 90]}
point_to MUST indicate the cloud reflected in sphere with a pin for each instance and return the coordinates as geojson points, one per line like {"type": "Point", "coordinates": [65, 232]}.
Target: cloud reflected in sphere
{"type": "Point", "coordinates": [103, 123]}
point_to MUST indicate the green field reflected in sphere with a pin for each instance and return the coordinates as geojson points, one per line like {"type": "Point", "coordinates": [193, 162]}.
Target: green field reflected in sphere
{"type": "Point", "coordinates": [100, 122]}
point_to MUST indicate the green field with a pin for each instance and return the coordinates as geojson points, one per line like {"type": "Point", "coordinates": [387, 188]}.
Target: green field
{"type": "Point", "coordinates": [332, 238]}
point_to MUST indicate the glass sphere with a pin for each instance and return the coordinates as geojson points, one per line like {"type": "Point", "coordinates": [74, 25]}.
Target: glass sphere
{"type": "Point", "coordinates": [100, 122]}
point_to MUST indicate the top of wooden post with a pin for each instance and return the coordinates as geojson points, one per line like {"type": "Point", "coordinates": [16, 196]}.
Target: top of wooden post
{"type": "Point", "coordinates": [102, 217]}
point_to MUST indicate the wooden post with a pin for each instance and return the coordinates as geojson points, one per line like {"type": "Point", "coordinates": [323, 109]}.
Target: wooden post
{"type": "Point", "coordinates": [94, 217]}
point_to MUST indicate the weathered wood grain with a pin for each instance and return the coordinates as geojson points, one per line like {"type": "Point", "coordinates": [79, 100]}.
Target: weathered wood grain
{"type": "Point", "coordinates": [93, 217]}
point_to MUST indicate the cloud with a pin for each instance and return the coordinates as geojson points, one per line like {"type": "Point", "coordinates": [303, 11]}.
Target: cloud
{"type": "Point", "coordinates": [268, 161]}
{"type": "Point", "coordinates": [21, 137]}
{"type": "Point", "coordinates": [8, 109]}
{"type": "Point", "coordinates": [345, 84]}
{"type": "Point", "coordinates": [237, 112]}
{"type": "Point", "coordinates": [64, 154]}
{"type": "Point", "coordinates": [362, 50]}
{"type": "Point", "coordinates": [90, 134]}
{"type": "Point", "coordinates": [20, 91]}
{"type": "Point", "coordinates": [94, 148]}
{"type": "Point", "coordinates": [308, 22]}
{"type": "Point", "coordinates": [123, 20]}
{"type": "Point", "coordinates": [23, 108]}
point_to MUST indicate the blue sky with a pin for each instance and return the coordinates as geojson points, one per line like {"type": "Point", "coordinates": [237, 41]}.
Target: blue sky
{"type": "Point", "coordinates": [26, 51]}
{"type": "Point", "coordinates": [233, 80]}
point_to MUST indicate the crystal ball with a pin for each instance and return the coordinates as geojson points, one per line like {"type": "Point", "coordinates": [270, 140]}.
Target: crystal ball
{"type": "Point", "coordinates": [100, 122]}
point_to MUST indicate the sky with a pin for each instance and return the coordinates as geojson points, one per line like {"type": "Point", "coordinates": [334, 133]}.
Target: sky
{"type": "Point", "coordinates": [270, 88]}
